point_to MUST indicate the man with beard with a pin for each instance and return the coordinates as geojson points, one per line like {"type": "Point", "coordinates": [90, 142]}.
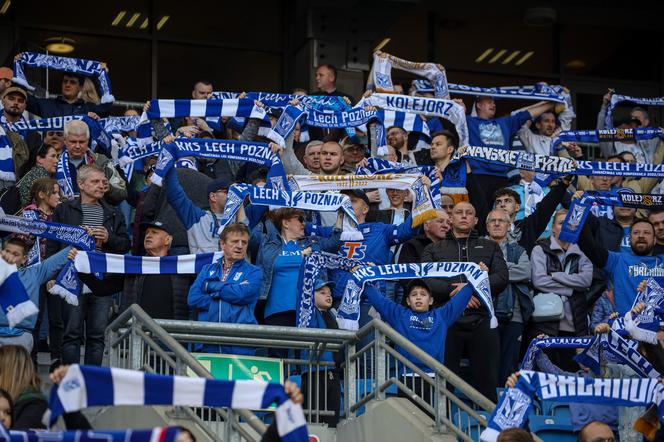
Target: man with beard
{"type": "Point", "coordinates": [625, 268]}
{"type": "Point", "coordinates": [547, 127]}
{"type": "Point", "coordinates": [13, 106]}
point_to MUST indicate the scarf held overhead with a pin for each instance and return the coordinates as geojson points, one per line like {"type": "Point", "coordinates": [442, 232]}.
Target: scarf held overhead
{"type": "Point", "coordinates": [348, 314]}
{"type": "Point", "coordinates": [380, 77]}
{"type": "Point", "coordinates": [87, 386]}
{"type": "Point", "coordinates": [615, 99]}
{"type": "Point", "coordinates": [66, 64]}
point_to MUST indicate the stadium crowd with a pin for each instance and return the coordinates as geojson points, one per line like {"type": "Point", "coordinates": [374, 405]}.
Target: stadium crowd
{"type": "Point", "coordinates": [506, 220]}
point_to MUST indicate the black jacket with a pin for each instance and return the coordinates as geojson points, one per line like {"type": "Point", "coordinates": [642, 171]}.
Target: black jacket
{"type": "Point", "coordinates": [478, 250]}
{"type": "Point", "coordinates": [133, 292]}
{"type": "Point", "coordinates": [29, 410]}
{"type": "Point", "coordinates": [56, 107]}
{"type": "Point", "coordinates": [70, 212]}
{"type": "Point", "coordinates": [607, 232]}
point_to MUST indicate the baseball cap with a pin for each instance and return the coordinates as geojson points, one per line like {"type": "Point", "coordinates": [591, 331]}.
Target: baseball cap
{"type": "Point", "coordinates": [6, 73]}
{"type": "Point", "coordinates": [357, 193]}
{"type": "Point", "coordinates": [218, 184]}
{"type": "Point", "coordinates": [15, 89]}
{"type": "Point", "coordinates": [320, 284]}
{"type": "Point", "coordinates": [157, 225]}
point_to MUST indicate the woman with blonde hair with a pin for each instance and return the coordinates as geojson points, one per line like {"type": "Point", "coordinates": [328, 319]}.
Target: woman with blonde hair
{"type": "Point", "coordinates": [89, 92]}
{"type": "Point", "coordinates": [20, 379]}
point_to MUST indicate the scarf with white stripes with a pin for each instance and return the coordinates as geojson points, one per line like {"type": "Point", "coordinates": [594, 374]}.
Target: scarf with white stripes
{"type": "Point", "coordinates": [605, 135]}
{"type": "Point", "coordinates": [348, 313]}
{"type": "Point", "coordinates": [277, 198]}
{"type": "Point", "coordinates": [77, 66]}
{"type": "Point", "coordinates": [14, 299]}
{"type": "Point", "coordinates": [163, 434]}
{"type": "Point", "coordinates": [7, 172]}
{"type": "Point", "coordinates": [580, 208]}
{"type": "Point", "coordinates": [252, 151]}
{"type": "Point", "coordinates": [514, 406]}
{"type": "Point", "coordinates": [237, 107]}
{"type": "Point", "coordinates": [615, 99]}
{"type": "Point", "coordinates": [87, 386]}
{"type": "Point", "coordinates": [431, 107]}
{"type": "Point", "coordinates": [380, 77]}
{"type": "Point", "coordinates": [537, 92]}
{"type": "Point", "coordinates": [68, 286]}
{"type": "Point", "coordinates": [423, 208]}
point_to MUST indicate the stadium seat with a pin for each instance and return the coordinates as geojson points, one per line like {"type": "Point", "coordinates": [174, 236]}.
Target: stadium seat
{"type": "Point", "coordinates": [552, 428]}
{"type": "Point", "coordinates": [468, 424]}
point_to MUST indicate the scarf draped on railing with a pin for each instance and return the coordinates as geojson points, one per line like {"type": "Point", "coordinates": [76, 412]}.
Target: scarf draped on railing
{"type": "Point", "coordinates": [265, 196]}
{"type": "Point", "coordinates": [431, 107]}
{"type": "Point", "coordinates": [423, 208]}
{"type": "Point", "coordinates": [580, 208]}
{"type": "Point", "coordinates": [252, 151]}
{"type": "Point", "coordinates": [68, 286]}
{"type": "Point", "coordinates": [515, 405]}
{"type": "Point", "coordinates": [87, 386]}
{"type": "Point", "coordinates": [66, 64]}
{"type": "Point", "coordinates": [380, 77]}
{"type": "Point", "coordinates": [310, 267]}
{"type": "Point", "coordinates": [348, 314]}
{"type": "Point", "coordinates": [615, 99]}
{"type": "Point", "coordinates": [605, 135]}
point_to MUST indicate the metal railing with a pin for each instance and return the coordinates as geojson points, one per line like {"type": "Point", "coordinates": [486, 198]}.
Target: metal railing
{"type": "Point", "coordinates": [371, 371]}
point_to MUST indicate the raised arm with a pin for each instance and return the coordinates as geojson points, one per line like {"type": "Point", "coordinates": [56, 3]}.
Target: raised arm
{"type": "Point", "coordinates": [186, 210]}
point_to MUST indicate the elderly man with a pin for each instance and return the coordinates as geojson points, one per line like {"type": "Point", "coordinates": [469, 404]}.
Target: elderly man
{"type": "Point", "coordinates": [107, 225]}
{"type": "Point", "coordinates": [77, 142]}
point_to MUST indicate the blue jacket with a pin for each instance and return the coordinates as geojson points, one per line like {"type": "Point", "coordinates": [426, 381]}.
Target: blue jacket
{"type": "Point", "coordinates": [270, 244]}
{"type": "Point", "coordinates": [57, 107]}
{"type": "Point", "coordinates": [317, 321]}
{"type": "Point", "coordinates": [375, 247]}
{"type": "Point", "coordinates": [497, 132]}
{"type": "Point", "coordinates": [33, 278]}
{"type": "Point", "coordinates": [202, 225]}
{"type": "Point", "coordinates": [427, 330]}
{"type": "Point", "coordinates": [231, 301]}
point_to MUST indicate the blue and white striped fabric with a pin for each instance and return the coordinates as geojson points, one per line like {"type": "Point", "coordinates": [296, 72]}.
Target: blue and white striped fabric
{"type": "Point", "coordinates": [409, 122]}
{"type": "Point", "coordinates": [88, 386]}
{"type": "Point", "coordinates": [165, 434]}
{"type": "Point", "coordinates": [234, 107]}
{"type": "Point", "coordinates": [515, 405]}
{"type": "Point", "coordinates": [14, 299]}
{"type": "Point", "coordinates": [539, 91]}
{"type": "Point", "coordinates": [605, 135]}
{"type": "Point", "coordinates": [6, 161]}
{"type": "Point", "coordinates": [615, 99]}
{"type": "Point", "coordinates": [68, 286]}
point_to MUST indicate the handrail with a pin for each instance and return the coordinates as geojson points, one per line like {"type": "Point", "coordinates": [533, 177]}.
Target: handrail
{"type": "Point", "coordinates": [432, 363]}
{"type": "Point", "coordinates": [135, 311]}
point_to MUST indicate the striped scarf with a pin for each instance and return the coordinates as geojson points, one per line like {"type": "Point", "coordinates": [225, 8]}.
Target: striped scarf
{"type": "Point", "coordinates": [87, 386]}
{"type": "Point", "coordinates": [514, 406]}
{"type": "Point", "coordinates": [14, 299]}
{"type": "Point", "coordinates": [66, 64]}
{"type": "Point", "coordinates": [68, 286]}
{"type": "Point", "coordinates": [605, 135]}
{"type": "Point", "coordinates": [615, 99]}
{"type": "Point", "coordinates": [7, 172]}
{"type": "Point", "coordinates": [539, 91]}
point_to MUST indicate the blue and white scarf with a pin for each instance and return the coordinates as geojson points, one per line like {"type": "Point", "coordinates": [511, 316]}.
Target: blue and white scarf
{"type": "Point", "coordinates": [644, 326]}
{"type": "Point", "coordinates": [274, 197]}
{"type": "Point", "coordinates": [63, 176]}
{"type": "Point", "coordinates": [252, 151]}
{"type": "Point", "coordinates": [380, 77]}
{"type": "Point", "coordinates": [14, 299]}
{"type": "Point", "coordinates": [320, 102]}
{"type": "Point", "coordinates": [68, 286]}
{"type": "Point", "coordinates": [529, 361]}
{"type": "Point", "coordinates": [423, 208]}
{"type": "Point", "coordinates": [555, 165]}
{"type": "Point", "coordinates": [348, 313]}
{"type": "Point", "coordinates": [615, 99]}
{"type": "Point", "coordinates": [605, 135]}
{"type": "Point", "coordinates": [7, 172]}
{"type": "Point", "coordinates": [120, 124]}
{"type": "Point", "coordinates": [537, 92]}
{"type": "Point", "coordinates": [87, 386]}
{"type": "Point", "coordinates": [580, 208]}
{"type": "Point", "coordinates": [64, 233]}
{"type": "Point", "coordinates": [431, 107]}
{"type": "Point", "coordinates": [41, 125]}
{"type": "Point", "coordinates": [515, 405]}
{"type": "Point", "coordinates": [310, 267]}
{"type": "Point", "coordinates": [66, 64]}
{"type": "Point", "coordinates": [237, 107]}
{"type": "Point", "coordinates": [165, 434]}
